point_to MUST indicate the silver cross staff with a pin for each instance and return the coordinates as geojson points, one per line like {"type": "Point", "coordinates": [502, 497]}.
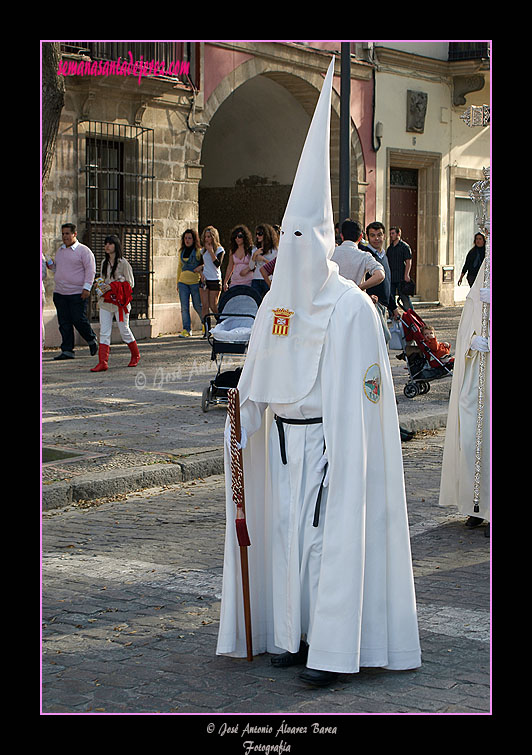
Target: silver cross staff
{"type": "Point", "coordinates": [480, 195]}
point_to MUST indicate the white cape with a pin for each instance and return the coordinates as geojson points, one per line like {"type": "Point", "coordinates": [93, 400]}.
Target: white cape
{"type": "Point", "coordinates": [458, 466]}
{"type": "Point", "coordinates": [364, 612]}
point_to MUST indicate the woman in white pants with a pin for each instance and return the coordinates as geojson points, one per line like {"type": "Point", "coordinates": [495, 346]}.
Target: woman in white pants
{"type": "Point", "coordinates": [115, 268]}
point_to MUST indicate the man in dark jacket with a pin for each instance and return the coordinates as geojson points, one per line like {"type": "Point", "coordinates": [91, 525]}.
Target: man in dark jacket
{"type": "Point", "coordinates": [381, 294]}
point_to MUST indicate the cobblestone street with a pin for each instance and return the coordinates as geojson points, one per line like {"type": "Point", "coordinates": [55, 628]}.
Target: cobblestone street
{"type": "Point", "coordinates": [131, 604]}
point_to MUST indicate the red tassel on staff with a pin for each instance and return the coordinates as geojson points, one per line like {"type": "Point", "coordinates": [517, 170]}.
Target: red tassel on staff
{"type": "Point", "coordinates": [241, 529]}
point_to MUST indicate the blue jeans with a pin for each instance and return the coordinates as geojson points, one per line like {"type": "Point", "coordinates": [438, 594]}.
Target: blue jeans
{"type": "Point", "coordinates": [185, 292]}
{"type": "Point", "coordinates": [260, 286]}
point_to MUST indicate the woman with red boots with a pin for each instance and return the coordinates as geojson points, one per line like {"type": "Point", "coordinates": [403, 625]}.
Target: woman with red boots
{"type": "Point", "coordinates": [115, 289]}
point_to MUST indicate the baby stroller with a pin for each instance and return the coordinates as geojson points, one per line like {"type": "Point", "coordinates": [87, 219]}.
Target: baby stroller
{"type": "Point", "coordinates": [423, 366]}
{"type": "Point", "coordinates": [237, 308]}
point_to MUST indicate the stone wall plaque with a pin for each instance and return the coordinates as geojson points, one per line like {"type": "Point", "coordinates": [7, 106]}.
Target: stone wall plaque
{"type": "Point", "coordinates": [416, 110]}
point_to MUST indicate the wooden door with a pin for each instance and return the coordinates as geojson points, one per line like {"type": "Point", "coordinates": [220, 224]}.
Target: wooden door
{"type": "Point", "coordinates": [404, 208]}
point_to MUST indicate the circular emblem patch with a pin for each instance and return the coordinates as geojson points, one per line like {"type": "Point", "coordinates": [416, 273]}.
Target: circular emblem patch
{"type": "Point", "coordinates": [372, 383]}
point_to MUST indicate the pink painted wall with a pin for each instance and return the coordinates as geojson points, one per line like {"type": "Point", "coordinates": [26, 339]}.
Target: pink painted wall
{"type": "Point", "coordinates": [362, 115]}
{"type": "Point", "coordinates": [218, 63]}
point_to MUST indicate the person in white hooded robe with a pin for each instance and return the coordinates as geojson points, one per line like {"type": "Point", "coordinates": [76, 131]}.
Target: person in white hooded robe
{"type": "Point", "coordinates": [459, 452]}
{"type": "Point", "coordinates": [330, 585]}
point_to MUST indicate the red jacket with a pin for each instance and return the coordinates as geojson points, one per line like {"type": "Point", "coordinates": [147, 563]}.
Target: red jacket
{"type": "Point", "coordinates": [120, 294]}
{"type": "Point", "coordinates": [437, 348]}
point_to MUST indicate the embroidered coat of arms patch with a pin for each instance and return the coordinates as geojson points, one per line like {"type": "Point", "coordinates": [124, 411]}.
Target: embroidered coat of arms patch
{"type": "Point", "coordinates": [281, 321]}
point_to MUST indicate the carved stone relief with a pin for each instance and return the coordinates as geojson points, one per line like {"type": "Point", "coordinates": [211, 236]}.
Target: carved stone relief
{"type": "Point", "coordinates": [416, 110]}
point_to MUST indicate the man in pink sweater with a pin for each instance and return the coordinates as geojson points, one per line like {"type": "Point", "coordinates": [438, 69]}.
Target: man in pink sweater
{"type": "Point", "coordinates": [74, 268]}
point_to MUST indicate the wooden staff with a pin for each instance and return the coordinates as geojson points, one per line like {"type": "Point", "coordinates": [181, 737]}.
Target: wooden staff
{"type": "Point", "coordinates": [237, 487]}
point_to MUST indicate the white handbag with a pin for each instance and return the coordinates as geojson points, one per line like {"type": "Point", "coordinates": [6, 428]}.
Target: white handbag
{"type": "Point", "coordinates": [396, 335]}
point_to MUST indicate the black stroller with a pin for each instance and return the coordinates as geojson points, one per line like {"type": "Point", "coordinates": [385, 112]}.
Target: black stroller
{"type": "Point", "coordinates": [237, 308]}
{"type": "Point", "coordinates": [423, 365]}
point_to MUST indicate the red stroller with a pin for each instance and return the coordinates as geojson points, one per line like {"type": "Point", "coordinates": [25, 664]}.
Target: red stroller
{"type": "Point", "coordinates": [423, 364]}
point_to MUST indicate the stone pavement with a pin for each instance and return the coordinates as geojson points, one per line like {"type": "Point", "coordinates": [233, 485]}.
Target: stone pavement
{"type": "Point", "coordinates": [133, 428]}
{"type": "Point", "coordinates": [132, 567]}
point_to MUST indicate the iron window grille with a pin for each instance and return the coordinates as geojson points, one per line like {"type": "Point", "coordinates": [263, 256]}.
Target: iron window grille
{"type": "Point", "coordinates": [468, 50]}
{"type": "Point", "coordinates": [405, 177]}
{"type": "Point", "coordinates": [179, 57]}
{"type": "Point", "coordinates": [119, 183]}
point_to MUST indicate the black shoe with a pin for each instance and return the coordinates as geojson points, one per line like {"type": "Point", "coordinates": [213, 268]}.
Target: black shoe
{"type": "Point", "coordinates": [93, 348]}
{"type": "Point", "coordinates": [318, 678]}
{"type": "Point", "coordinates": [487, 530]}
{"type": "Point", "coordinates": [473, 521]}
{"type": "Point", "coordinates": [62, 355]}
{"type": "Point", "coordinates": [283, 660]}
{"type": "Point", "coordinates": [406, 434]}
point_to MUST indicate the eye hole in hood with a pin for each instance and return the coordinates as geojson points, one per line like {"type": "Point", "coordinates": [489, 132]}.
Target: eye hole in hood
{"type": "Point", "coordinates": [297, 233]}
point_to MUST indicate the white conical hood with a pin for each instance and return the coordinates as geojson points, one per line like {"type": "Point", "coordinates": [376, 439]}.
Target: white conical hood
{"type": "Point", "coordinates": [310, 199]}
{"type": "Point", "coordinates": [289, 331]}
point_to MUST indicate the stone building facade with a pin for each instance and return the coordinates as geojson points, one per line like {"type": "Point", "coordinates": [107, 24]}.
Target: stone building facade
{"type": "Point", "coordinates": [428, 157]}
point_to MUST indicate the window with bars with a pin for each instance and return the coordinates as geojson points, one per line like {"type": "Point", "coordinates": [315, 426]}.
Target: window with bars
{"type": "Point", "coordinates": [118, 172]}
{"type": "Point", "coordinates": [105, 173]}
{"type": "Point", "coordinates": [468, 50]}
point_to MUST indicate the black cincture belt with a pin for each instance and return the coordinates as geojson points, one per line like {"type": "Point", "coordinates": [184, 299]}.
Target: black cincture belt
{"type": "Point", "coordinates": [314, 421]}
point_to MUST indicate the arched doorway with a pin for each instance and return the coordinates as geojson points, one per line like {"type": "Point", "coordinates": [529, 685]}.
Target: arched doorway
{"type": "Point", "coordinates": [252, 147]}
{"type": "Point", "coordinates": [249, 156]}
